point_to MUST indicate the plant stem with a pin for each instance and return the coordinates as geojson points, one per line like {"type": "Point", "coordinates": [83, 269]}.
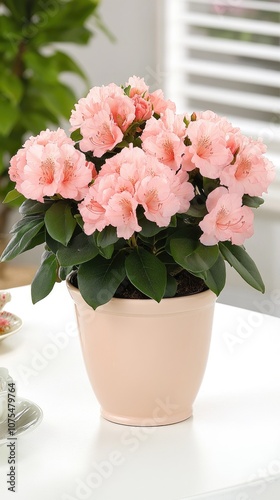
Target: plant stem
{"type": "Point", "coordinates": [18, 66]}
{"type": "Point", "coordinates": [133, 241]}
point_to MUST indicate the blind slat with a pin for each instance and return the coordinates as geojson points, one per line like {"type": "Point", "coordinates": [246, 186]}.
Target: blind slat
{"type": "Point", "coordinates": [244, 4]}
{"type": "Point", "coordinates": [245, 100]}
{"type": "Point", "coordinates": [232, 72]}
{"type": "Point", "coordinates": [233, 47]}
{"type": "Point", "coordinates": [231, 23]}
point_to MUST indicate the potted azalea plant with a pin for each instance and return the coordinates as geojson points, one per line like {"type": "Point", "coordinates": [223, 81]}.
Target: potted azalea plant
{"type": "Point", "coordinates": [139, 203]}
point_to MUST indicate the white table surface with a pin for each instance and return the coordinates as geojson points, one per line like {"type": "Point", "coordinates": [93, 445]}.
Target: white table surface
{"type": "Point", "coordinates": [228, 450]}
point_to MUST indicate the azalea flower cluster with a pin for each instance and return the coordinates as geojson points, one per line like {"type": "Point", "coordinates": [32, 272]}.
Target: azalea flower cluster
{"type": "Point", "coordinates": [136, 153]}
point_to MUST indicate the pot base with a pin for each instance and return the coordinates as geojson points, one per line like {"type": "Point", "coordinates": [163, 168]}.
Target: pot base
{"type": "Point", "coordinates": [147, 422]}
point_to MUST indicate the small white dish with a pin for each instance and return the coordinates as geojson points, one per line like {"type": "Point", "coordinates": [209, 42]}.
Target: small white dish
{"type": "Point", "coordinates": [13, 324]}
{"type": "Point", "coordinates": [27, 416]}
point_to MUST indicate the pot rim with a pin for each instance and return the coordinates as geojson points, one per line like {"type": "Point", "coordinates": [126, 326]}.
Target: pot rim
{"type": "Point", "coordinates": [168, 305]}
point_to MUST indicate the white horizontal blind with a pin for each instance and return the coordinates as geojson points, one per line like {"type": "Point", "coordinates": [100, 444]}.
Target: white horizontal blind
{"type": "Point", "coordinates": [224, 55]}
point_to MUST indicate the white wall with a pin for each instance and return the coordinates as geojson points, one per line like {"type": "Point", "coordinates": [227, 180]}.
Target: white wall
{"type": "Point", "coordinates": [136, 51]}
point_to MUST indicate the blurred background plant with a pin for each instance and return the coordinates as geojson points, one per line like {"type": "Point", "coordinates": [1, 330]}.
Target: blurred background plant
{"type": "Point", "coordinates": [35, 75]}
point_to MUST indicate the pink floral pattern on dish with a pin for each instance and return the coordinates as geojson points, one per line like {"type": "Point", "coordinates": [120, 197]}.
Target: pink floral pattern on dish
{"type": "Point", "coordinates": [9, 323]}
{"type": "Point", "coordinates": [4, 298]}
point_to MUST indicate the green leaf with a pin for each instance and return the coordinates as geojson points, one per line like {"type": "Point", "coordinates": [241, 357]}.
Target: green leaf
{"type": "Point", "coordinates": [252, 201]}
{"type": "Point", "coordinates": [60, 222]}
{"type": "Point", "coordinates": [50, 68]}
{"type": "Point", "coordinates": [147, 273]}
{"type": "Point", "coordinates": [149, 228]}
{"type": "Point", "coordinates": [38, 239]}
{"type": "Point", "coordinates": [76, 135]}
{"type": "Point", "coordinates": [108, 236]}
{"type": "Point", "coordinates": [43, 67]}
{"type": "Point", "coordinates": [196, 209]}
{"type": "Point", "coordinates": [9, 115]}
{"type": "Point", "coordinates": [192, 255]}
{"type": "Point", "coordinates": [63, 272]}
{"type": "Point", "coordinates": [52, 244]}
{"type": "Point", "coordinates": [58, 98]}
{"type": "Point", "coordinates": [10, 86]}
{"type": "Point", "coordinates": [68, 14]}
{"type": "Point", "coordinates": [81, 35]}
{"type": "Point", "coordinates": [215, 277]}
{"type": "Point", "coordinates": [171, 286]}
{"type": "Point", "coordinates": [80, 249]}
{"type": "Point", "coordinates": [45, 278]}
{"type": "Point", "coordinates": [210, 184]}
{"type": "Point", "coordinates": [65, 63]}
{"type": "Point", "coordinates": [38, 120]}
{"type": "Point", "coordinates": [186, 232]}
{"type": "Point", "coordinates": [180, 248]}
{"type": "Point", "coordinates": [98, 279]}
{"type": "Point", "coordinates": [12, 196]}
{"type": "Point", "coordinates": [22, 223]}
{"type": "Point", "coordinates": [21, 240]}
{"type": "Point", "coordinates": [106, 252]}
{"type": "Point", "coordinates": [32, 207]}
{"type": "Point", "coordinates": [16, 8]}
{"type": "Point", "coordinates": [238, 258]}
{"type": "Point", "coordinates": [202, 258]}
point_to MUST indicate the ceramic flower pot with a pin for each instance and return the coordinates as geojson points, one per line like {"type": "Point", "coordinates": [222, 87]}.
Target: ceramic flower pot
{"type": "Point", "coordinates": [146, 360]}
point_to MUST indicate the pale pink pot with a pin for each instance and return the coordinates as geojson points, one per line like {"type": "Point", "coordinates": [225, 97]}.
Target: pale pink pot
{"type": "Point", "coordinates": [145, 360]}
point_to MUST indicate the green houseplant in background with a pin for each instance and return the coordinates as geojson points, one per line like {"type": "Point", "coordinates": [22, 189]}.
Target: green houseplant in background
{"type": "Point", "coordinates": [33, 94]}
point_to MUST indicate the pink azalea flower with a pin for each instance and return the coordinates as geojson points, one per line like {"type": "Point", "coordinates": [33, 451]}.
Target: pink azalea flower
{"type": "Point", "coordinates": [104, 188]}
{"type": "Point", "coordinates": [208, 149]}
{"type": "Point", "coordinates": [91, 165]}
{"type": "Point", "coordinates": [138, 86]}
{"type": "Point", "coordinates": [208, 115]}
{"type": "Point", "coordinates": [160, 104]}
{"type": "Point", "coordinates": [84, 110]}
{"type": "Point", "coordinates": [152, 167]}
{"type": "Point", "coordinates": [143, 108]}
{"type": "Point", "coordinates": [166, 147]}
{"type": "Point", "coordinates": [132, 178]}
{"type": "Point", "coordinates": [49, 164]}
{"type": "Point", "coordinates": [42, 172]}
{"type": "Point", "coordinates": [187, 163]}
{"type": "Point", "coordinates": [132, 172]}
{"type": "Point", "coordinates": [175, 123]}
{"type": "Point", "coordinates": [163, 139]}
{"type": "Point", "coordinates": [18, 161]}
{"type": "Point", "coordinates": [153, 127]}
{"type": "Point", "coordinates": [121, 213]}
{"type": "Point", "coordinates": [16, 169]}
{"type": "Point", "coordinates": [122, 110]}
{"type": "Point", "coordinates": [251, 172]}
{"type": "Point", "coordinates": [101, 134]}
{"type": "Point", "coordinates": [58, 136]}
{"type": "Point", "coordinates": [227, 219]}
{"type": "Point", "coordinates": [93, 215]}
{"type": "Point", "coordinates": [155, 195]}
{"type": "Point", "coordinates": [183, 190]}
{"type": "Point", "coordinates": [128, 163]}
{"type": "Point", "coordinates": [88, 106]}
{"type": "Point", "coordinates": [76, 174]}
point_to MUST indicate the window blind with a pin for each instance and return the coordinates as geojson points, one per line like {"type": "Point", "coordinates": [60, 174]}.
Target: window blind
{"type": "Point", "coordinates": [224, 55]}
